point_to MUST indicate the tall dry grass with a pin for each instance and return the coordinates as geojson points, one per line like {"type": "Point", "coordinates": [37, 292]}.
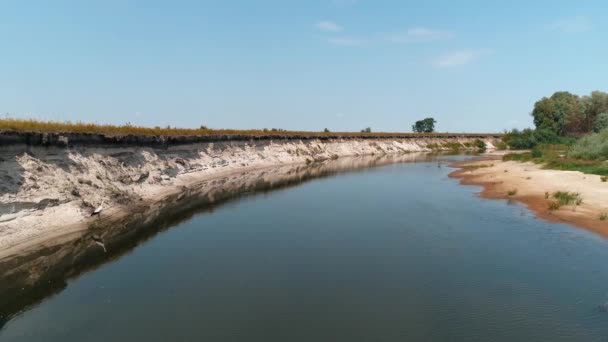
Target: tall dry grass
{"type": "Point", "coordinates": [30, 125]}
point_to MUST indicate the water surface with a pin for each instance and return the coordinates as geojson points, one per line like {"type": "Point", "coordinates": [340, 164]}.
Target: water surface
{"type": "Point", "coordinates": [399, 252]}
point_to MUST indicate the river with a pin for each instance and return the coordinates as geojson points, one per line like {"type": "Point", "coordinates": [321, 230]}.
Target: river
{"type": "Point", "coordinates": [378, 251]}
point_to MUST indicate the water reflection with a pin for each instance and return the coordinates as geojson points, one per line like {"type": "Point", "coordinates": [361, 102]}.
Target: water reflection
{"type": "Point", "coordinates": [29, 278]}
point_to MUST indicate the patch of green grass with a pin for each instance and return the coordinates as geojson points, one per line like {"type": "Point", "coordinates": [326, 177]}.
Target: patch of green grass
{"type": "Point", "coordinates": [562, 198]}
{"type": "Point", "coordinates": [452, 146]}
{"type": "Point", "coordinates": [476, 166]}
{"type": "Point", "coordinates": [567, 198]}
{"type": "Point", "coordinates": [555, 157]}
{"type": "Point", "coordinates": [520, 157]}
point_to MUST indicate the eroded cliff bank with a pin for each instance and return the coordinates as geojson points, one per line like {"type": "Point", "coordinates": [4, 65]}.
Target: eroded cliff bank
{"type": "Point", "coordinates": [51, 189]}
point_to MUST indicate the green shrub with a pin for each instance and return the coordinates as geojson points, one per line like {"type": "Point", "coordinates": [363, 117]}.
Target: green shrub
{"type": "Point", "coordinates": [520, 140]}
{"type": "Point", "coordinates": [512, 192]}
{"type": "Point", "coordinates": [528, 138]}
{"type": "Point", "coordinates": [591, 147]}
{"type": "Point", "coordinates": [480, 144]}
{"type": "Point", "coordinates": [567, 198]}
{"type": "Point", "coordinates": [601, 122]}
{"type": "Point", "coordinates": [501, 145]}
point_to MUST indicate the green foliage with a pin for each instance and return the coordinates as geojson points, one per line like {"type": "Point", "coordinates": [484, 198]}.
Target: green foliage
{"type": "Point", "coordinates": [426, 125]}
{"type": "Point", "coordinates": [326, 130]}
{"type": "Point", "coordinates": [501, 145]}
{"type": "Point", "coordinates": [604, 179]}
{"type": "Point", "coordinates": [528, 138]}
{"type": "Point", "coordinates": [591, 147]}
{"type": "Point", "coordinates": [557, 157]}
{"type": "Point", "coordinates": [566, 114]}
{"type": "Point", "coordinates": [520, 157]}
{"type": "Point", "coordinates": [559, 113]}
{"type": "Point", "coordinates": [512, 192]}
{"type": "Point", "coordinates": [567, 198]}
{"type": "Point", "coordinates": [453, 146]}
{"type": "Point", "coordinates": [595, 105]}
{"type": "Point", "coordinates": [601, 122]}
{"type": "Point", "coordinates": [480, 144]}
{"type": "Point", "coordinates": [366, 130]}
{"type": "Point", "coordinates": [520, 140]}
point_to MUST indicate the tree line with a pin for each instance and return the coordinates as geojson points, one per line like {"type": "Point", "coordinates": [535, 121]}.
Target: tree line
{"type": "Point", "coordinates": [561, 119]}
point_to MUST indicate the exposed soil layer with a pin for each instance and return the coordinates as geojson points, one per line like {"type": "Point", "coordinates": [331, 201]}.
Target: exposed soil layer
{"type": "Point", "coordinates": [47, 190]}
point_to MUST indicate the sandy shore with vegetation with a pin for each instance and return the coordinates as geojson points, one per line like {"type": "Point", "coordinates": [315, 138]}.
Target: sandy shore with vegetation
{"type": "Point", "coordinates": [569, 197]}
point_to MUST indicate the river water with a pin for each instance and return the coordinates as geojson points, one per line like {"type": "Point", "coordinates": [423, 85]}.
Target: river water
{"type": "Point", "coordinates": [394, 252]}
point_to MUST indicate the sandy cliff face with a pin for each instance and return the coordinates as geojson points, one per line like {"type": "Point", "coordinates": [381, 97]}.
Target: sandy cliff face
{"type": "Point", "coordinates": [55, 189]}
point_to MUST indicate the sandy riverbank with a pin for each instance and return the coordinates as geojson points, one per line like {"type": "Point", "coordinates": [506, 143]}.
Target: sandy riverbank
{"type": "Point", "coordinates": [47, 192]}
{"type": "Point", "coordinates": [532, 184]}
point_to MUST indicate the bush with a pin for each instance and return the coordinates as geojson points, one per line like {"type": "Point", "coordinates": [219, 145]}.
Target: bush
{"type": "Point", "coordinates": [480, 144]}
{"type": "Point", "coordinates": [601, 122]}
{"type": "Point", "coordinates": [501, 145]}
{"type": "Point", "coordinates": [520, 140]}
{"type": "Point", "coordinates": [567, 198]}
{"type": "Point", "coordinates": [591, 147]}
{"type": "Point", "coordinates": [529, 138]}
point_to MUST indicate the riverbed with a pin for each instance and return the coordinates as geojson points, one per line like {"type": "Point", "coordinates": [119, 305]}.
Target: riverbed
{"type": "Point", "coordinates": [379, 251]}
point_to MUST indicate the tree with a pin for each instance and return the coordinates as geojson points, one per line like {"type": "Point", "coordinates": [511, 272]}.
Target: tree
{"type": "Point", "coordinates": [601, 122]}
{"type": "Point", "coordinates": [424, 126]}
{"type": "Point", "coordinates": [594, 105]}
{"type": "Point", "coordinates": [326, 130]}
{"type": "Point", "coordinates": [562, 113]}
{"type": "Point", "coordinates": [366, 130]}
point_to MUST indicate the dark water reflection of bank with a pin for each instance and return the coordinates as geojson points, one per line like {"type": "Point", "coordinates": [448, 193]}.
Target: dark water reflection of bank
{"type": "Point", "coordinates": [30, 278]}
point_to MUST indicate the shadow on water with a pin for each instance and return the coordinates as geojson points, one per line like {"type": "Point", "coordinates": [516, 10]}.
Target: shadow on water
{"type": "Point", "coordinates": [30, 278]}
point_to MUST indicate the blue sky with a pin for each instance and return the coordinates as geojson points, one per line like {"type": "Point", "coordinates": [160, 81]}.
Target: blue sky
{"type": "Point", "coordinates": [340, 64]}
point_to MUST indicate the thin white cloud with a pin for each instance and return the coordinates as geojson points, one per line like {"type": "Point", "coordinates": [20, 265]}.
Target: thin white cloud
{"type": "Point", "coordinates": [328, 26]}
{"type": "Point", "coordinates": [418, 34]}
{"type": "Point", "coordinates": [347, 41]}
{"type": "Point", "coordinates": [577, 24]}
{"type": "Point", "coordinates": [458, 58]}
